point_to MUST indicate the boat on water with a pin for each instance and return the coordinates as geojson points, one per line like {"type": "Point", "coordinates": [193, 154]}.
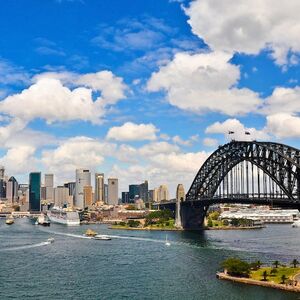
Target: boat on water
{"type": "Point", "coordinates": [91, 233]}
{"type": "Point", "coordinates": [50, 240]}
{"type": "Point", "coordinates": [43, 220]}
{"type": "Point", "coordinates": [65, 216]}
{"type": "Point", "coordinates": [102, 237]}
{"type": "Point", "coordinates": [296, 224]}
{"type": "Point", "coordinates": [10, 220]}
{"type": "Point", "coordinates": [167, 243]}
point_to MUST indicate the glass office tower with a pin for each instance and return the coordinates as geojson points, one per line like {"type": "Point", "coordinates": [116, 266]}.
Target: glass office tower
{"type": "Point", "coordinates": [35, 191]}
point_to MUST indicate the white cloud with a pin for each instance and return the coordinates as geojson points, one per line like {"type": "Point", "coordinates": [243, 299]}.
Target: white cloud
{"type": "Point", "coordinates": [10, 74]}
{"type": "Point", "coordinates": [239, 130]}
{"type": "Point", "coordinates": [189, 142]}
{"type": "Point", "coordinates": [209, 142]}
{"type": "Point", "coordinates": [202, 83]}
{"type": "Point", "coordinates": [283, 100]}
{"type": "Point", "coordinates": [284, 125]}
{"type": "Point", "coordinates": [132, 132]}
{"type": "Point", "coordinates": [248, 26]}
{"type": "Point", "coordinates": [76, 152]}
{"type": "Point", "coordinates": [49, 99]}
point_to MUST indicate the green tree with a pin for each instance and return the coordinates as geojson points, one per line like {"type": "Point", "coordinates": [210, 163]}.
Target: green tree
{"type": "Point", "coordinates": [235, 222]}
{"type": "Point", "coordinates": [133, 223]}
{"type": "Point", "coordinates": [209, 222]}
{"type": "Point", "coordinates": [214, 215]}
{"type": "Point", "coordinates": [273, 271]}
{"type": "Point", "coordinates": [283, 279]}
{"type": "Point", "coordinates": [276, 263]}
{"type": "Point", "coordinates": [295, 263]}
{"type": "Point", "coordinates": [236, 267]}
{"type": "Point", "coordinates": [265, 275]}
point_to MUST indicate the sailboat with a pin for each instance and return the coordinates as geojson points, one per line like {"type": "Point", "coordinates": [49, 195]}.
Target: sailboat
{"type": "Point", "coordinates": [167, 243]}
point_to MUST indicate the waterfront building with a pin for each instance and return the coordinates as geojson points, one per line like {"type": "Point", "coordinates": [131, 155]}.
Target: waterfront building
{"type": "Point", "coordinates": [134, 192]}
{"type": "Point", "coordinates": [88, 195]}
{"type": "Point", "coordinates": [99, 187]}
{"type": "Point", "coordinates": [12, 189]}
{"type": "Point", "coordinates": [125, 197]}
{"type": "Point", "coordinates": [61, 196]}
{"type": "Point", "coordinates": [163, 193]}
{"type": "Point", "coordinates": [35, 191]}
{"type": "Point", "coordinates": [113, 191]}
{"type": "Point", "coordinates": [264, 215]}
{"type": "Point", "coordinates": [83, 178]}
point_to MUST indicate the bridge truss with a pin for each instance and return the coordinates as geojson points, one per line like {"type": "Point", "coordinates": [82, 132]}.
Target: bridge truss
{"type": "Point", "coordinates": [249, 172]}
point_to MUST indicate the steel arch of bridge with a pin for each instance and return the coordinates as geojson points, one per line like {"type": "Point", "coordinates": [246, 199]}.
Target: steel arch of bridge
{"type": "Point", "coordinates": [279, 161]}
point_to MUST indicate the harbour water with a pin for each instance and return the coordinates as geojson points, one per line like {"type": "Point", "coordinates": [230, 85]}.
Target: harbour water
{"type": "Point", "coordinates": [134, 264]}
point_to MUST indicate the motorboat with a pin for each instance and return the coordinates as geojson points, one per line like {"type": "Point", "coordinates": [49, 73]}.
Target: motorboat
{"type": "Point", "coordinates": [296, 224]}
{"type": "Point", "coordinates": [102, 237]}
{"type": "Point", "coordinates": [43, 220]}
{"type": "Point", "coordinates": [10, 220]}
{"type": "Point", "coordinates": [167, 243]}
{"type": "Point", "coordinates": [50, 240]}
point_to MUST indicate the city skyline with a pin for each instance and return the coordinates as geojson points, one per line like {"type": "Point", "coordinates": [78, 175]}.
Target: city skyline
{"type": "Point", "coordinates": [160, 89]}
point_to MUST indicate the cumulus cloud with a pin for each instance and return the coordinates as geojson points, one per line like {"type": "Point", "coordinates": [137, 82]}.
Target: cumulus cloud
{"type": "Point", "coordinates": [248, 26]}
{"type": "Point", "coordinates": [284, 125]}
{"type": "Point", "coordinates": [132, 132]}
{"type": "Point", "coordinates": [49, 99]}
{"type": "Point", "coordinates": [209, 142]}
{"type": "Point", "coordinates": [204, 82]}
{"type": "Point", "coordinates": [76, 152]}
{"type": "Point", "coordinates": [283, 100]}
{"type": "Point", "coordinates": [239, 130]}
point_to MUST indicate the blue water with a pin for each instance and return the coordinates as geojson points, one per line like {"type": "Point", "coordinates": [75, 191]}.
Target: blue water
{"type": "Point", "coordinates": [134, 264]}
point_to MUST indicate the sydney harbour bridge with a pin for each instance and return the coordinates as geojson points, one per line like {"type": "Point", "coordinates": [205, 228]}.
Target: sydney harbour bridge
{"type": "Point", "coordinates": [246, 172]}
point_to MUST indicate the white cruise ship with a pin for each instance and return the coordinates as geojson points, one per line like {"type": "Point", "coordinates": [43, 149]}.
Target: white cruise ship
{"type": "Point", "coordinates": [64, 216]}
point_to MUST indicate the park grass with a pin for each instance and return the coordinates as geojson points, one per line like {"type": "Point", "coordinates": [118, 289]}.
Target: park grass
{"type": "Point", "coordinates": [289, 272]}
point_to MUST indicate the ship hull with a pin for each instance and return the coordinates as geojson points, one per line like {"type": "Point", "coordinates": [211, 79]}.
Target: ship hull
{"type": "Point", "coordinates": [64, 220]}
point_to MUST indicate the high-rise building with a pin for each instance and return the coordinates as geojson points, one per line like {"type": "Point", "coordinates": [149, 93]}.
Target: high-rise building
{"type": "Point", "coordinates": [105, 193]}
{"type": "Point", "coordinates": [12, 189]}
{"type": "Point", "coordinates": [35, 191]}
{"type": "Point", "coordinates": [180, 194]}
{"type": "Point", "coordinates": [61, 196]}
{"type": "Point", "coordinates": [2, 183]}
{"type": "Point", "coordinates": [113, 191]}
{"type": "Point", "coordinates": [49, 180]}
{"type": "Point", "coordinates": [71, 187]}
{"type": "Point", "coordinates": [134, 192]}
{"type": "Point", "coordinates": [144, 191]}
{"type": "Point", "coordinates": [125, 197]}
{"type": "Point", "coordinates": [88, 195]}
{"type": "Point", "coordinates": [83, 178]}
{"type": "Point", "coordinates": [99, 187]}
{"type": "Point", "coordinates": [163, 193]}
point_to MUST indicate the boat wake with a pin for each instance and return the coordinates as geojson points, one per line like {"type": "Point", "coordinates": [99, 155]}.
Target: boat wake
{"type": "Point", "coordinates": [26, 246]}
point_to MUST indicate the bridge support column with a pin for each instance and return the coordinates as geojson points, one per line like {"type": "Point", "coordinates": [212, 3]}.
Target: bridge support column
{"type": "Point", "coordinates": [178, 223]}
{"type": "Point", "coordinates": [192, 215]}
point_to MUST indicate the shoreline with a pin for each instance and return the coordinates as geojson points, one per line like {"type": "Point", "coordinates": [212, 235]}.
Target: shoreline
{"type": "Point", "coordinates": [144, 229]}
{"type": "Point", "coordinates": [285, 287]}
{"type": "Point", "coordinates": [233, 228]}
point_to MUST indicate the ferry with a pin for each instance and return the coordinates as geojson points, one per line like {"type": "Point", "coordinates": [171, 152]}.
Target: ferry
{"type": "Point", "coordinates": [65, 216]}
{"type": "Point", "coordinates": [296, 224]}
{"type": "Point", "coordinates": [43, 220]}
{"type": "Point", "coordinates": [10, 220]}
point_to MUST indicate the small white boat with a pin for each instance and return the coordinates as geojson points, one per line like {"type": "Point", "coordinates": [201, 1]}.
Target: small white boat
{"type": "Point", "coordinates": [10, 220]}
{"type": "Point", "coordinates": [50, 240]}
{"type": "Point", "coordinates": [167, 243]}
{"type": "Point", "coordinates": [36, 223]}
{"type": "Point", "coordinates": [101, 237]}
{"type": "Point", "coordinates": [296, 224]}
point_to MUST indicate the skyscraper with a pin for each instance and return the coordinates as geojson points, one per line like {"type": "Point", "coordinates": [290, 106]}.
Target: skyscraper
{"type": "Point", "coordinates": [144, 191]}
{"type": "Point", "coordinates": [99, 187]}
{"type": "Point", "coordinates": [49, 180]}
{"type": "Point", "coordinates": [12, 189]}
{"type": "Point", "coordinates": [88, 195]}
{"type": "Point", "coordinates": [34, 191]}
{"type": "Point", "coordinates": [134, 191]}
{"type": "Point", "coordinates": [61, 196]}
{"type": "Point", "coordinates": [2, 183]}
{"type": "Point", "coordinates": [125, 197]}
{"type": "Point", "coordinates": [163, 193]}
{"type": "Point", "coordinates": [113, 191]}
{"type": "Point", "coordinates": [83, 178]}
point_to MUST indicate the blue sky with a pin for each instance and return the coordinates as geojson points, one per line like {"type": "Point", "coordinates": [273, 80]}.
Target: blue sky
{"type": "Point", "coordinates": [143, 89]}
